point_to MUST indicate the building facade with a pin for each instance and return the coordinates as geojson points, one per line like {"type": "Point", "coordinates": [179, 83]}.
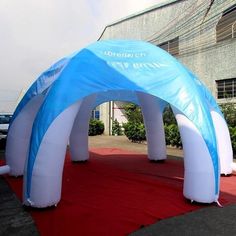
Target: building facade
{"type": "Point", "coordinates": [199, 33]}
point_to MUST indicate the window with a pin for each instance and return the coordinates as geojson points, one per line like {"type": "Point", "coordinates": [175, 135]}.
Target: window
{"type": "Point", "coordinates": [226, 27]}
{"type": "Point", "coordinates": [171, 46]}
{"type": "Point", "coordinates": [95, 115]}
{"type": "Point", "coordinates": [226, 88]}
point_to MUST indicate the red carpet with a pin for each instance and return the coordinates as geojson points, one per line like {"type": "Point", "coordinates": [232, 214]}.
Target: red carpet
{"type": "Point", "coordinates": [116, 193]}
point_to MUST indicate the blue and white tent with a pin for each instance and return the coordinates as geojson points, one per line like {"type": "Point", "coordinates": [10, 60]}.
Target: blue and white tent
{"type": "Point", "coordinates": [56, 109]}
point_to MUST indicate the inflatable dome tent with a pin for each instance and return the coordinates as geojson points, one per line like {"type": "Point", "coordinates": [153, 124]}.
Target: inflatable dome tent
{"type": "Point", "coordinates": [57, 107]}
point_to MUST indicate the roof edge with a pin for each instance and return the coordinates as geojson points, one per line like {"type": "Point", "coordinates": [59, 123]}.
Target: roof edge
{"type": "Point", "coordinates": [146, 10]}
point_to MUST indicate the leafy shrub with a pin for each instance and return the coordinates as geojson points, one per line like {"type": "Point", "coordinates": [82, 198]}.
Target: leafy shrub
{"type": "Point", "coordinates": [116, 128]}
{"type": "Point", "coordinates": [232, 131]}
{"type": "Point", "coordinates": [135, 131]}
{"type": "Point", "coordinates": [167, 134]}
{"type": "Point", "coordinates": [229, 111]}
{"type": "Point", "coordinates": [133, 113]}
{"type": "Point", "coordinates": [96, 127]}
{"type": "Point", "coordinates": [168, 116]}
{"type": "Point", "coordinates": [172, 135]}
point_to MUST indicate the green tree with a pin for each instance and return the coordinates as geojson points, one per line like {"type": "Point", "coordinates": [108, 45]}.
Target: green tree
{"type": "Point", "coordinates": [168, 116]}
{"type": "Point", "coordinates": [232, 131]}
{"type": "Point", "coordinates": [116, 128]}
{"type": "Point", "coordinates": [133, 113]}
{"type": "Point", "coordinates": [96, 127]}
{"type": "Point", "coordinates": [229, 111]}
{"type": "Point", "coordinates": [134, 129]}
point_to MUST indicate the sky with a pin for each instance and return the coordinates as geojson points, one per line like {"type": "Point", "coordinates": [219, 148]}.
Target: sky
{"type": "Point", "coordinates": [36, 33]}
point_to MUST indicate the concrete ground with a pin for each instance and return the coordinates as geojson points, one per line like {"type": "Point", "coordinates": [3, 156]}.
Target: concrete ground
{"type": "Point", "coordinates": [210, 221]}
{"type": "Point", "coordinates": [124, 143]}
{"type": "Point", "coordinates": [14, 219]}
{"type": "Point", "coordinates": [213, 220]}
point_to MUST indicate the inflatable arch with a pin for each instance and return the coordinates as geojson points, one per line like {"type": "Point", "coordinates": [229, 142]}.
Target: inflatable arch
{"type": "Point", "coordinates": [57, 107]}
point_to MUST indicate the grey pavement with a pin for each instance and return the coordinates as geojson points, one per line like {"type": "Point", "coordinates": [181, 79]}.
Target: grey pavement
{"type": "Point", "coordinates": [211, 220]}
{"type": "Point", "coordinates": [14, 220]}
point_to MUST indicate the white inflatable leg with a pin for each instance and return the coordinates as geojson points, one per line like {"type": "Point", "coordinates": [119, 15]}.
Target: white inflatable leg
{"type": "Point", "coordinates": [233, 165]}
{"type": "Point", "coordinates": [79, 134]}
{"type": "Point", "coordinates": [199, 179]}
{"type": "Point", "coordinates": [224, 146]}
{"type": "Point", "coordinates": [152, 115]}
{"type": "Point", "coordinates": [48, 167]}
{"type": "Point", "coordinates": [19, 136]}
